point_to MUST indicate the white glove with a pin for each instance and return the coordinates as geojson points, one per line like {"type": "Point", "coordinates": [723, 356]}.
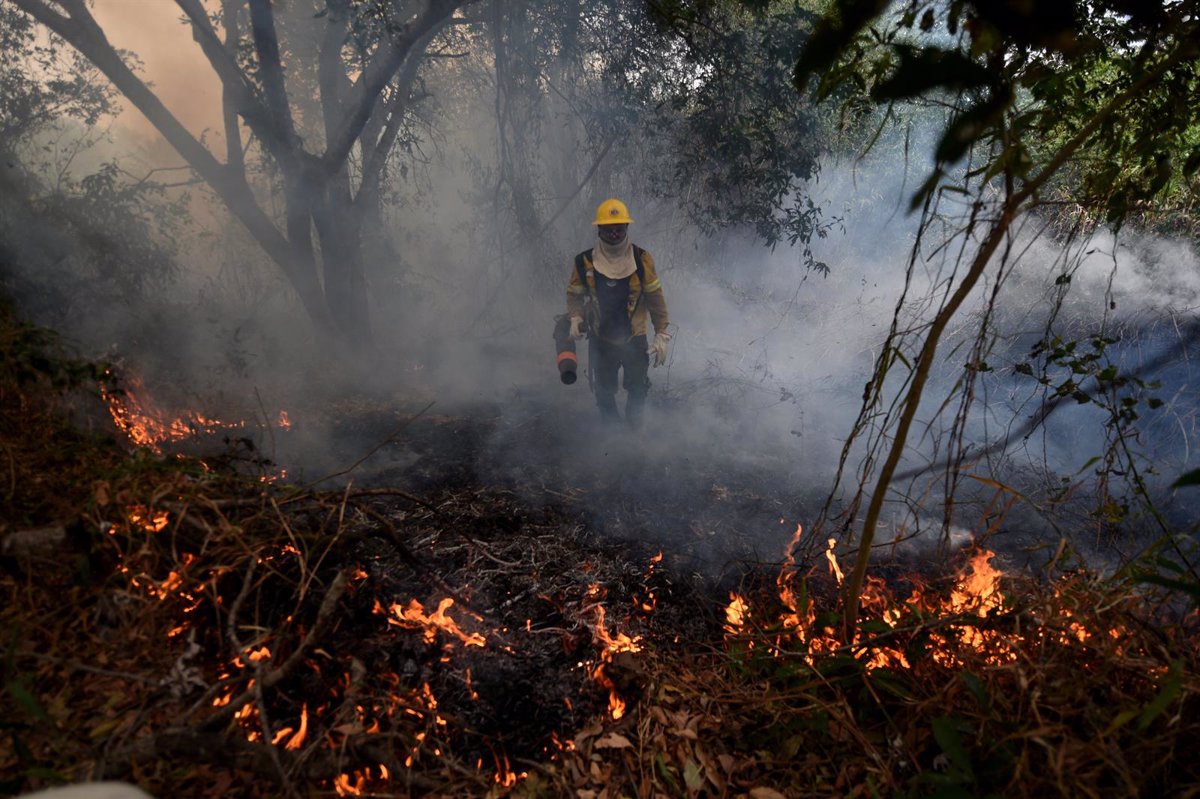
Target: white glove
{"type": "Point", "coordinates": [576, 328]}
{"type": "Point", "coordinates": [658, 350]}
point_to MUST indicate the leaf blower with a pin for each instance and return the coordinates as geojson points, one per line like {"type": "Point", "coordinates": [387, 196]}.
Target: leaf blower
{"type": "Point", "coordinates": [568, 362]}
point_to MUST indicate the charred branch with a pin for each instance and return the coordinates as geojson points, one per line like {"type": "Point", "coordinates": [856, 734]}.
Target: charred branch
{"type": "Point", "coordinates": [321, 625]}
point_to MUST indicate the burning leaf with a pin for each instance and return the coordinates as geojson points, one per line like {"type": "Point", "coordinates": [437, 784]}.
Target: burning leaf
{"type": "Point", "coordinates": [736, 613]}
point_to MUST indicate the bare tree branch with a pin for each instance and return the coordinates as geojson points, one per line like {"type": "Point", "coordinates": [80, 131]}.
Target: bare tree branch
{"type": "Point", "coordinates": [82, 32]}
{"type": "Point", "coordinates": [270, 66]}
{"type": "Point", "coordinates": [379, 72]}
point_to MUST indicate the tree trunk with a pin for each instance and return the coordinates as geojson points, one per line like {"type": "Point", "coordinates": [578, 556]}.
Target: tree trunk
{"type": "Point", "coordinates": [316, 187]}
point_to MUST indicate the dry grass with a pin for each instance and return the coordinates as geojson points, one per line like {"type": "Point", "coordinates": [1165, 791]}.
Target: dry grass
{"type": "Point", "coordinates": [127, 652]}
{"type": "Point", "coordinates": [1080, 689]}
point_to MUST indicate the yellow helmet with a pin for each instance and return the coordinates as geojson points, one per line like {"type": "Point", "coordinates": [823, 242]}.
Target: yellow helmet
{"type": "Point", "coordinates": [612, 212]}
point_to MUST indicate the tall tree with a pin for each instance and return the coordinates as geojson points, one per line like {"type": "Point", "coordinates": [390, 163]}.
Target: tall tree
{"type": "Point", "coordinates": [694, 107]}
{"type": "Point", "coordinates": [318, 245]}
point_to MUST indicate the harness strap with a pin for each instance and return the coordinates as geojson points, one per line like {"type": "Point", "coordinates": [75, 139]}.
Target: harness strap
{"type": "Point", "coordinates": [590, 288]}
{"type": "Point", "coordinates": [639, 270]}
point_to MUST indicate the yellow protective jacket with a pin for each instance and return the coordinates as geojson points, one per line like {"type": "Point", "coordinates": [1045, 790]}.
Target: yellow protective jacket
{"type": "Point", "coordinates": [644, 300]}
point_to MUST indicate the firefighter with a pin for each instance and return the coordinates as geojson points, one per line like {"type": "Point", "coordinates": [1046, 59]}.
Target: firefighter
{"type": "Point", "coordinates": [612, 290]}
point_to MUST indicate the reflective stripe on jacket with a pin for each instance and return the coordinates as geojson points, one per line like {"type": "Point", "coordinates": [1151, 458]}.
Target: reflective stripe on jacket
{"type": "Point", "coordinates": [643, 301]}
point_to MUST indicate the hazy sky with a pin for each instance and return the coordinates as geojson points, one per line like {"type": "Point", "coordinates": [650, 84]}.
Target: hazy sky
{"type": "Point", "coordinates": [172, 62]}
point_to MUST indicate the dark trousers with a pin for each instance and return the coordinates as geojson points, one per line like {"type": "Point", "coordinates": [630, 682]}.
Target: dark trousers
{"type": "Point", "coordinates": [607, 359]}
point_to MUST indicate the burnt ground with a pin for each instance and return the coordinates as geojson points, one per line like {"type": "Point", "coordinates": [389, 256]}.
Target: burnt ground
{"type": "Point", "coordinates": [534, 520]}
{"type": "Point", "coordinates": [530, 522]}
{"type": "Point", "coordinates": [713, 517]}
{"type": "Point", "coordinates": [541, 530]}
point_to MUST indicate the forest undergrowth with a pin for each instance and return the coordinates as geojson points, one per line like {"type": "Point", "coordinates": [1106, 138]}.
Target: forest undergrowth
{"type": "Point", "coordinates": [202, 627]}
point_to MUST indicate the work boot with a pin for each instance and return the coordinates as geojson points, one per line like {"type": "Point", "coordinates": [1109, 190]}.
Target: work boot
{"type": "Point", "coordinates": [633, 412]}
{"type": "Point", "coordinates": [607, 403]}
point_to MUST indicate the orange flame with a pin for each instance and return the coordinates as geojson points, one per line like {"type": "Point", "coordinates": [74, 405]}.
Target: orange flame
{"type": "Point", "coordinates": [612, 645]}
{"type": "Point", "coordinates": [976, 592]}
{"type": "Point", "coordinates": [414, 616]}
{"type": "Point", "coordinates": [736, 613]}
{"type": "Point", "coordinates": [297, 740]}
{"type": "Point", "coordinates": [834, 569]}
{"type": "Point", "coordinates": [146, 519]}
{"type": "Point", "coordinates": [147, 425]}
{"type": "Point", "coordinates": [344, 787]}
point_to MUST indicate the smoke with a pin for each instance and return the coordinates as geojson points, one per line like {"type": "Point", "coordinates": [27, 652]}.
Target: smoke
{"type": "Point", "coordinates": [176, 67]}
{"type": "Point", "coordinates": [768, 365]}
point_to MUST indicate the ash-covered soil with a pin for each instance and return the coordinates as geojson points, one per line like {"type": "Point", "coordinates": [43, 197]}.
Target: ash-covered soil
{"type": "Point", "coordinates": [547, 531]}
{"type": "Point", "coordinates": [714, 513]}
{"type": "Point", "coordinates": [535, 520]}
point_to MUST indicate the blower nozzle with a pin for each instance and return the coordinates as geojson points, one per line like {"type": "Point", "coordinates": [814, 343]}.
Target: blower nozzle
{"type": "Point", "coordinates": [568, 361]}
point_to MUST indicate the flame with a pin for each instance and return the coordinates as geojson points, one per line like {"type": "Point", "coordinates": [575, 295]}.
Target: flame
{"type": "Point", "coordinates": [795, 618]}
{"type": "Point", "coordinates": [262, 653]}
{"type": "Point", "coordinates": [414, 616]}
{"type": "Point", "coordinates": [834, 569]}
{"type": "Point", "coordinates": [147, 425]}
{"type": "Point", "coordinates": [651, 601]}
{"type": "Point", "coordinates": [344, 787]}
{"type": "Point", "coordinates": [297, 740]}
{"type": "Point", "coordinates": [979, 591]}
{"type": "Point", "coordinates": [505, 776]}
{"type": "Point", "coordinates": [736, 612]}
{"type": "Point", "coordinates": [146, 519]}
{"type": "Point", "coordinates": [616, 705]}
{"type": "Point", "coordinates": [976, 592]}
{"type": "Point", "coordinates": [167, 587]}
{"type": "Point", "coordinates": [612, 645]}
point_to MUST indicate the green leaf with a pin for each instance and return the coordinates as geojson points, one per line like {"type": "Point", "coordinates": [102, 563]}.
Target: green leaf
{"type": "Point", "coordinates": [977, 689]}
{"type": "Point", "coordinates": [832, 35]}
{"type": "Point", "coordinates": [664, 771]}
{"type": "Point", "coordinates": [922, 69]}
{"type": "Point", "coordinates": [891, 682]}
{"type": "Point", "coordinates": [927, 188]}
{"type": "Point", "coordinates": [970, 126]}
{"type": "Point", "coordinates": [946, 733]}
{"type": "Point", "coordinates": [1183, 586]}
{"type": "Point", "coordinates": [691, 776]}
{"type": "Point", "coordinates": [1121, 719]}
{"type": "Point", "coordinates": [1166, 695]}
{"type": "Point", "coordinates": [26, 700]}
